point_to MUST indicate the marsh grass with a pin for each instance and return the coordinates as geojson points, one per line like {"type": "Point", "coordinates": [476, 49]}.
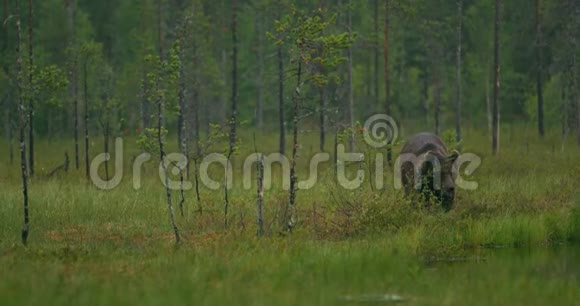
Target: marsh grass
{"type": "Point", "coordinates": [93, 247]}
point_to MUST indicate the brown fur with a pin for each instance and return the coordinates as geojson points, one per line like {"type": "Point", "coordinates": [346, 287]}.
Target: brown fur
{"type": "Point", "coordinates": [428, 148]}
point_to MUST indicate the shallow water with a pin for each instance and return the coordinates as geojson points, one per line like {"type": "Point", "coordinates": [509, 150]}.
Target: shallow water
{"type": "Point", "coordinates": [523, 276]}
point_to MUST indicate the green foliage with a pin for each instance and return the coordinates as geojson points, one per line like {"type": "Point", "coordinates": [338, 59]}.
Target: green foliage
{"type": "Point", "coordinates": [218, 135]}
{"type": "Point", "coordinates": [49, 83]}
{"type": "Point", "coordinates": [310, 43]}
{"type": "Point", "coordinates": [148, 141]}
{"type": "Point", "coordinates": [450, 139]}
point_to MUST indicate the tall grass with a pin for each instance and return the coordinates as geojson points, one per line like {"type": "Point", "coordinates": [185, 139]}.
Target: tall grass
{"type": "Point", "coordinates": [94, 247]}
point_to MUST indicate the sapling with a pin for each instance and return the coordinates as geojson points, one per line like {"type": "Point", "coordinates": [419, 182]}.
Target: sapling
{"type": "Point", "coordinates": [311, 49]}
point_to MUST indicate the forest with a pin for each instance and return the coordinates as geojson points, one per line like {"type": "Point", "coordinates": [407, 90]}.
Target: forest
{"type": "Point", "coordinates": [249, 152]}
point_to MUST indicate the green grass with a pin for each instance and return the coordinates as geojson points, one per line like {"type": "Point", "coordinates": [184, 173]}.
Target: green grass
{"type": "Point", "coordinates": [92, 247]}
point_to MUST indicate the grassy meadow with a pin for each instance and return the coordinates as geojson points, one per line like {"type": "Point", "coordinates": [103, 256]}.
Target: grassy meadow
{"type": "Point", "coordinates": [513, 241]}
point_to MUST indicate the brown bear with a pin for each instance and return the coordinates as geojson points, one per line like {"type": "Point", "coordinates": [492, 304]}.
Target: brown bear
{"type": "Point", "coordinates": [426, 168]}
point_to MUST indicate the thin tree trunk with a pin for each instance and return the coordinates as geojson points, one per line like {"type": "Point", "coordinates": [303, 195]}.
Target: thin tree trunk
{"type": "Point", "coordinates": [458, 72]}
{"type": "Point", "coordinates": [73, 95]}
{"type": "Point", "coordinates": [161, 126]}
{"type": "Point", "coordinates": [31, 98]}
{"type": "Point", "coordinates": [387, 77]}
{"type": "Point", "coordinates": [281, 118]}
{"type": "Point", "coordinates": [233, 119]}
{"type": "Point", "coordinates": [350, 82]}
{"type": "Point", "coordinates": [376, 53]}
{"type": "Point", "coordinates": [539, 68]}
{"type": "Point", "coordinates": [260, 76]}
{"type": "Point", "coordinates": [496, 62]}
{"type": "Point", "coordinates": [76, 120]}
{"type": "Point", "coordinates": [22, 123]}
{"type": "Point", "coordinates": [291, 222]}
{"type": "Point", "coordinates": [86, 123]}
{"type": "Point", "coordinates": [183, 109]}
{"type": "Point", "coordinates": [261, 196]}
{"type": "Point", "coordinates": [161, 138]}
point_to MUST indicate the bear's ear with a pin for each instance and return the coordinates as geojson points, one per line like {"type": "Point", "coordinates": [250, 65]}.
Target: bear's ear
{"type": "Point", "coordinates": [452, 157]}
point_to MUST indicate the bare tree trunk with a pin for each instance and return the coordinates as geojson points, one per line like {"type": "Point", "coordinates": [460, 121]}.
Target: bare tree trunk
{"type": "Point", "coordinates": [260, 76]}
{"type": "Point", "coordinates": [70, 5]}
{"type": "Point", "coordinates": [376, 51]}
{"type": "Point", "coordinates": [539, 68]}
{"type": "Point", "coordinates": [291, 215]}
{"type": "Point", "coordinates": [161, 138]}
{"type": "Point", "coordinates": [458, 72]}
{"type": "Point", "coordinates": [183, 109]}
{"type": "Point", "coordinates": [496, 62]}
{"type": "Point", "coordinates": [233, 119]}
{"type": "Point", "coordinates": [281, 119]}
{"type": "Point", "coordinates": [387, 76]}
{"type": "Point", "coordinates": [31, 98]}
{"type": "Point", "coordinates": [22, 123]}
{"type": "Point", "coordinates": [86, 123]}
{"type": "Point", "coordinates": [73, 94]}
{"type": "Point", "coordinates": [350, 82]}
